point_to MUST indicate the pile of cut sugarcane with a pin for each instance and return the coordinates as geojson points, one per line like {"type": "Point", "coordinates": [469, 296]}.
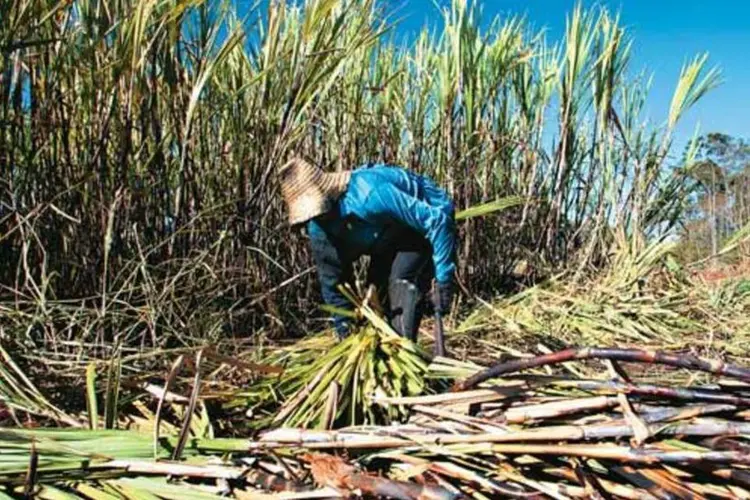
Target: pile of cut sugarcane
{"type": "Point", "coordinates": [504, 431]}
{"type": "Point", "coordinates": [525, 427]}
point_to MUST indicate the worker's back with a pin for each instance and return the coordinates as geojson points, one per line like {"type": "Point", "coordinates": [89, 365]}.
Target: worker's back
{"type": "Point", "coordinates": [369, 178]}
{"type": "Point", "coordinates": [384, 204]}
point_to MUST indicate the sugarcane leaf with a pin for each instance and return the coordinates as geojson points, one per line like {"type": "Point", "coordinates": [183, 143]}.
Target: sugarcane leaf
{"type": "Point", "coordinates": [742, 235]}
{"type": "Point", "coordinates": [173, 371]}
{"type": "Point", "coordinates": [48, 492]}
{"type": "Point", "coordinates": [159, 488]}
{"type": "Point", "coordinates": [185, 430]}
{"type": "Point", "coordinates": [112, 393]}
{"type": "Point", "coordinates": [90, 491]}
{"type": "Point", "coordinates": [490, 207]}
{"type": "Point", "coordinates": [91, 404]}
{"type": "Point", "coordinates": [338, 311]}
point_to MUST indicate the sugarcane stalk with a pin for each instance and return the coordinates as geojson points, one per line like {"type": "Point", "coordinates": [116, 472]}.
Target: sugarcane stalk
{"type": "Point", "coordinates": [477, 423]}
{"type": "Point", "coordinates": [670, 414]}
{"type": "Point", "coordinates": [604, 431]}
{"type": "Point", "coordinates": [353, 440]}
{"type": "Point", "coordinates": [623, 453]}
{"type": "Point", "coordinates": [715, 367]}
{"type": "Point", "coordinates": [723, 443]}
{"type": "Point", "coordinates": [467, 397]}
{"type": "Point", "coordinates": [611, 487]}
{"type": "Point", "coordinates": [655, 391]}
{"type": "Point", "coordinates": [521, 414]}
{"type": "Point", "coordinates": [204, 471]}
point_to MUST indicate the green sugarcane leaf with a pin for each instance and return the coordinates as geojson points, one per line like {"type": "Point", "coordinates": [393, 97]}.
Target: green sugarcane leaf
{"type": "Point", "coordinates": [112, 392]}
{"type": "Point", "coordinates": [91, 405]}
{"type": "Point", "coordinates": [489, 207]}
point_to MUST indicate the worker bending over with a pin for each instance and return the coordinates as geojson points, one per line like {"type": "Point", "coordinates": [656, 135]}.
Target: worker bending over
{"type": "Point", "coordinates": [402, 220]}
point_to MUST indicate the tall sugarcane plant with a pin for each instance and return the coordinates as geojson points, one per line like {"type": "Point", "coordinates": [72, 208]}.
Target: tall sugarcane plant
{"type": "Point", "coordinates": [140, 139]}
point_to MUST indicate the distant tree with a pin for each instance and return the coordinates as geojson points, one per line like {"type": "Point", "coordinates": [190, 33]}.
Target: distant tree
{"type": "Point", "coordinates": [721, 201]}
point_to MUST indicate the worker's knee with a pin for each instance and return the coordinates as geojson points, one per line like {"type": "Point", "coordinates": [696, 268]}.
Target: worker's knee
{"type": "Point", "coordinates": [405, 309]}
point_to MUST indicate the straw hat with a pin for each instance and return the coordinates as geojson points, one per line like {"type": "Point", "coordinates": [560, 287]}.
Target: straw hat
{"type": "Point", "coordinates": [308, 191]}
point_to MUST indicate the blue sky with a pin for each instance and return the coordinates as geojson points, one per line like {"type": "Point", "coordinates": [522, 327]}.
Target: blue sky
{"type": "Point", "coordinates": [665, 34]}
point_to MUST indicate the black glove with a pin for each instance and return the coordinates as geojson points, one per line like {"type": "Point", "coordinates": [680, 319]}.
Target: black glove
{"type": "Point", "coordinates": [343, 328]}
{"type": "Point", "coordinates": [442, 298]}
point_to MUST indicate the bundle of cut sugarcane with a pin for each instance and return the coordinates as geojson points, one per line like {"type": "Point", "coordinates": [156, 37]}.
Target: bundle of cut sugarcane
{"type": "Point", "coordinates": [328, 384]}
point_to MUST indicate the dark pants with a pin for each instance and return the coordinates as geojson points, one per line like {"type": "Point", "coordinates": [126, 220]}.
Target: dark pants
{"type": "Point", "coordinates": [399, 255]}
{"type": "Point", "coordinates": [408, 259]}
{"type": "Point", "coordinates": [411, 260]}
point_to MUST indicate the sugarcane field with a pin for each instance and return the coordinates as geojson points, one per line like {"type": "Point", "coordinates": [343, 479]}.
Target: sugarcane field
{"type": "Point", "coordinates": [397, 249]}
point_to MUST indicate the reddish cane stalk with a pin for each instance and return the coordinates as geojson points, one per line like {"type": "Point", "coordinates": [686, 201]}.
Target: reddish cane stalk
{"type": "Point", "coordinates": [715, 367]}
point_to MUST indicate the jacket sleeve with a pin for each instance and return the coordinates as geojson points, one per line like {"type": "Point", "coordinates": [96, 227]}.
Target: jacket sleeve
{"type": "Point", "coordinates": [436, 224]}
{"type": "Point", "coordinates": [333, 270]}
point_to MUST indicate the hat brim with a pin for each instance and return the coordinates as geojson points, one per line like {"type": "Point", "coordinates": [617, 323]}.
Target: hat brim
{"type": "Point", "coordinates": [308, 206]}
{"type": "Point", "coordinates": [317, 198]}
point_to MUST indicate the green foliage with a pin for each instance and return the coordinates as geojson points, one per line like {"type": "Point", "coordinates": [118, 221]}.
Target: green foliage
{"type": "Point", "coordinates": [330, 384]}
{"type": "Point", "coordinates": [645, 298]}
{"type": "Point", "coordinates": [140, 141]}
{"type": "Point", "coordinates": [489, 208]}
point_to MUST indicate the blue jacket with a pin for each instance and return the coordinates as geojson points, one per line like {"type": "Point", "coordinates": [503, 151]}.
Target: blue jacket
{"type": "Point", "coordinates": [379, 200]}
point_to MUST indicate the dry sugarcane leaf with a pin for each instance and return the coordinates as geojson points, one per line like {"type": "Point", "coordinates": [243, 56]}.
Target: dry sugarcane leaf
{"type": "Point", "coordinates": [244, 365]}
{"type": "Point", "coordinates": [322, 493]}
{"type": "Point", "coordinates": [635, 478]}
{"type": "Point", "coordinates": [473, 422]}
{"type": "Point", "coordinates": [29, 482]}
{"type": "Point", "coordinates": [329, 415]}
{"type": "Point", "coordinates": [671, 483]}
{"type": "Point", "coordinates": [613, 488]}
{"type": "Point", "coordinates": [167, 384]}
{"type": "Point", "coordinates": [329, 470]}
{"type": "Point", "coordinates": [590, 482]}
{"type": "Point", "coordinates": [185, 430]}
{"type": "Point", "coordinates": [466, 397]}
